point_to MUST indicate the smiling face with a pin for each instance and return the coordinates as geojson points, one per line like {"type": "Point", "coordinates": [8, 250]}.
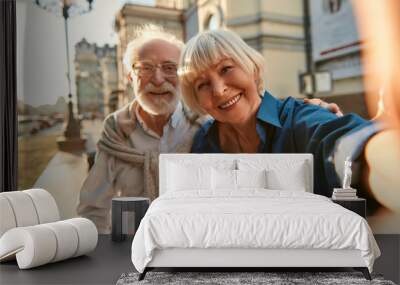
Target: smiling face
{"type": "Point", "coordinates": [220, 75]}
{"type": "Point", "coordinates": [227, 92]}
{"type": "Point", "coordinates": [156, 92]}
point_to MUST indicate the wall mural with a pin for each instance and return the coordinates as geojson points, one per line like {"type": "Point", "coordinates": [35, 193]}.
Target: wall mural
{"type": "Point", "coordinates": [71, 77]}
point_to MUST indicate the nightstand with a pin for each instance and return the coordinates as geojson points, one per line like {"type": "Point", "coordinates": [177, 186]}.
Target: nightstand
{"type": "Point", "coordinates": [121, 205]}
{"type": "Point", "coordinates": [358, 205]}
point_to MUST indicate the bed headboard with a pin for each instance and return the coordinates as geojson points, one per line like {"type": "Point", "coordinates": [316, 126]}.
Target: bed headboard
{"type": "Point", "coordinates": [214, 159]}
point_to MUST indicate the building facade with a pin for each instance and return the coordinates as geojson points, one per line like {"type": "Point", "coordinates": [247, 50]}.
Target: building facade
{"type": "Point", "coordinates": [277, 29]}
{"type": "Point", "coordinates": [108, 68]}
{"type": "Point", "coordinates": [96, 78]}
{"type": "Point", "coordinates": [336, 50]}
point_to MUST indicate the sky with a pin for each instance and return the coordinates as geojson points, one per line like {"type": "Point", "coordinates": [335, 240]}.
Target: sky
{"type": "Point", "coordinates": [41, 49]}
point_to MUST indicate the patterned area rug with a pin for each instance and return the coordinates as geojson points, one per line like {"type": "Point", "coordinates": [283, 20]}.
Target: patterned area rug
{"type": "Point", "coordinates": [230, 278]}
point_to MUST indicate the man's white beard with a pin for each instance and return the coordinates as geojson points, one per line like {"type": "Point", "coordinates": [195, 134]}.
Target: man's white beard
{"type": "Point", "coordinates": [158, 104]}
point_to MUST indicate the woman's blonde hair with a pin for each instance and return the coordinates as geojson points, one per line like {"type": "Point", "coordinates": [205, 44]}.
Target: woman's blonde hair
{"type": "Point", "coordinates": [207, 49]}
{"type": "Point", "coordinates": [144, 34]}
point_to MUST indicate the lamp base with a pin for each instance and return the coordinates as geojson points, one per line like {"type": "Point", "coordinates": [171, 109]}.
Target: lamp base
{"type": "Point", "coordinates": [71, 144]}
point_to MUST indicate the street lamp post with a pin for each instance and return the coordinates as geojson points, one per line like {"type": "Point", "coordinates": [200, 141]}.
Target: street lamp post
{"type": "Point", "coordinates": [72, 140]}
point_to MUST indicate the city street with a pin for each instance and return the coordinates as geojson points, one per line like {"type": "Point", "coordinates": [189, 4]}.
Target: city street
{"type": "Point", "coordinates": [65, 173]}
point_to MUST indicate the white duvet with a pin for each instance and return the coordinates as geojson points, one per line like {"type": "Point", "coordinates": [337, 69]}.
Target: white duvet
{"type": "Point", "coordinates": [253, 218]}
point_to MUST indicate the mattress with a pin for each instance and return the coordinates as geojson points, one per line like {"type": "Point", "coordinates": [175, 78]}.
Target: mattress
{"type": "Point", "coordinates": [251, 219]}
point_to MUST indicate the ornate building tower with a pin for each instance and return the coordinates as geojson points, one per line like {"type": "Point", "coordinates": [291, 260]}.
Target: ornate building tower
{"type": "Point", "coordinates": [96, 77]}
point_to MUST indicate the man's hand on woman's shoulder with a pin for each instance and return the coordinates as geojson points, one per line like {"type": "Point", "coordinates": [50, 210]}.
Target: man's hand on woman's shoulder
{"type": "Point", "coordinates": [332, 107]}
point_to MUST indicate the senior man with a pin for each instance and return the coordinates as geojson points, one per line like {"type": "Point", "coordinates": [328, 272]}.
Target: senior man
{"type": "Point", "coordinates": [154, 122]}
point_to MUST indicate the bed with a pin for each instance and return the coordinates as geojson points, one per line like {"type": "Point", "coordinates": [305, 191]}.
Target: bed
{"type": "Point", "coordinates": [242, 210]}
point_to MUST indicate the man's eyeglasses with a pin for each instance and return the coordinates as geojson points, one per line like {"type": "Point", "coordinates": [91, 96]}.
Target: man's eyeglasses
{"type": "Point", "coordinates": [169, 69]}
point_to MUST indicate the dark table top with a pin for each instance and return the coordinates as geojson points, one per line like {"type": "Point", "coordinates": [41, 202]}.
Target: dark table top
{"type": "Point", "coordinates": [104, 265]}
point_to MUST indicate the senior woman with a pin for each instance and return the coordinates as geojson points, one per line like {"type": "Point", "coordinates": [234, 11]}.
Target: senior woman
{"type": "Point", "coordinates": [221, 76]}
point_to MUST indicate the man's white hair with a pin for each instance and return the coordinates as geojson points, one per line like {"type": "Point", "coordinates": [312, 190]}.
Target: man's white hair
{"type": "Point", "coordinates": [143, 35]}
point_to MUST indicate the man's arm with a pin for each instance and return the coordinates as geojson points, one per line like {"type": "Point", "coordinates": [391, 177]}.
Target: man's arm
{"type": "Point", "coordinates": [318, 131]}
{"type": "Point", "coordinates": [96, 194]}
{"type": "Point", "coordinates": [355, 146]}
{"type": "Point", "coordinates": [332, 107]}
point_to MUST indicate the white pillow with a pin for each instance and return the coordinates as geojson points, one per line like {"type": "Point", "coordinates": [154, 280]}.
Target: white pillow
{"type": "Point", "coordinates": [224, 179]}
{"type": "Point", "coordinates": [181, 177]}
{"type": "Point", "coordinates": [251, 178]}
{"type": "Point", "coordinates": [204, 162]}
{"type": "Point", "coordinates": [282, 174]}
{"type": "Point", "coordinates": [292, 179]}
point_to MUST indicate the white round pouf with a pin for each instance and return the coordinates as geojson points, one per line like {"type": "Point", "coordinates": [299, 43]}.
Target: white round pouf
{"type": "Point", "coordinates": [33, 246]}
{"type": "Point", "coordinates": [67, 240]}
{"type": "Point", "coordinates": [23, 208]}
{"type": "Point", "coordinates": [30, 230]}
{"type": "Point", "coordinates": [87, 234]}
{"type": "Point", "coordinates": [46, 206]}
{"type": "Point", "coordinates": [7, 216]}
